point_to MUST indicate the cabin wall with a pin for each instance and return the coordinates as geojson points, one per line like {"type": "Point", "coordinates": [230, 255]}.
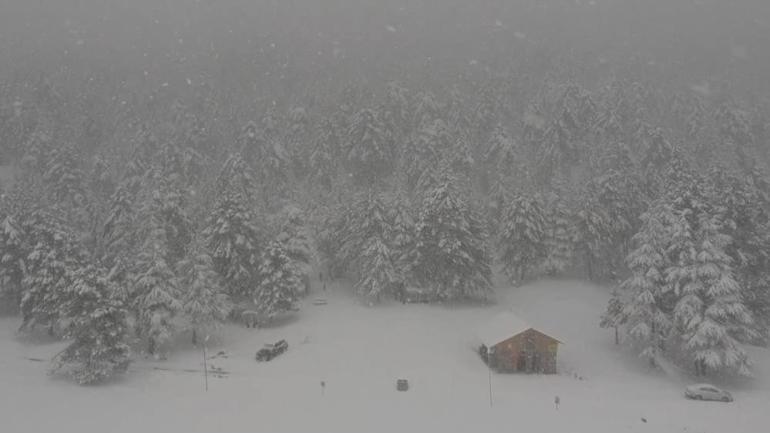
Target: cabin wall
{"type": "Point", "coordinates": [530, 351]}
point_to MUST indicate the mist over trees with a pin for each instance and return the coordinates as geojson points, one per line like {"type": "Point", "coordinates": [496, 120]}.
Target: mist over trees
{"type": "Point", "coordinates": [175, 163]}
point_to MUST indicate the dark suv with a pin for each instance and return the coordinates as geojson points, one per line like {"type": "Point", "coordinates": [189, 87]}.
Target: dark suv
{"type": "Point", "coordinates": [270, 351]}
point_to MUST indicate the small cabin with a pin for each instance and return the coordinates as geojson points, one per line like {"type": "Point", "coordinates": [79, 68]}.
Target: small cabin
{"type": "Point", "coordinates": [510, 344]}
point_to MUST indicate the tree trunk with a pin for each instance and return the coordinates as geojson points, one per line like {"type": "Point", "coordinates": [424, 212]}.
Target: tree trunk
{"type": "Point", "coordinates": [151, 346]}
{"type": "Point", "coordinates": [617, 337]}
{"type": "Point", "coordinates": [194, 337]}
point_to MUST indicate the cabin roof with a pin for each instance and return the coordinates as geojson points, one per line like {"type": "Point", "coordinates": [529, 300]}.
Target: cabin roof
{"type": "Point", "coordinates": [504, 326]}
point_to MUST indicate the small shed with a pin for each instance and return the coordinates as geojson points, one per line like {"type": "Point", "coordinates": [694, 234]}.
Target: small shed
{"type": "Point", "coordinates": [510, 344]}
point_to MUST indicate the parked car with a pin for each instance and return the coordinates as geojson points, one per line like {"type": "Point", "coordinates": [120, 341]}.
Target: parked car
{"type": "Point", "coordinates": [705, 391]}
{"type": "Point", "coordinates": [270, 351]}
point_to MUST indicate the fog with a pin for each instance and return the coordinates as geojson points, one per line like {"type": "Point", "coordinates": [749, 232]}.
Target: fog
{"type": "Point", "coordinates": [215, 207]}
{"type": "Point", "coordinates": [236, 41]}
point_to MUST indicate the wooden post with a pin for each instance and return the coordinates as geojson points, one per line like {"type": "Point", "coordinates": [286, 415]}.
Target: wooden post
{"type": "Point", "coordinates": [205, 365]}
{"type": "Point", "coordinates": [489, 371]}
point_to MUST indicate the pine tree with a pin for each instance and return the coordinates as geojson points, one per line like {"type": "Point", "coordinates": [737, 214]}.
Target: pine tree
{"type": "Point", "coordinates": [450, 256]}
{"type": "Point", "coordinates": [295, 238]}
{"type": "Point", "coordinates": [590, 231]}
{"type": "Point", "coordinates": [502, 152]}
{"type": "Point", "coordinates": [424, 151]}
{"type": "Point", "coordinates": [203, 302]}
{"type": "Point", "coordinates": [168, 206]}
{"type": "Point", "coordinates": [709, 312]}
{"type": "Point", "coordinates": [279, 284]}
{"type": "Point", "coordinates": [233, 243]}
{"type": "Point", "coordinates": [614, 316]}
{"type": "Point", "coordinates": [236, 176]}
{"type": "Point", "coordinates": [155, 290]}
{"type": "Point", "coordinates": [557, 240]}
{"type": "Point", "coordinates": [618, 200]}
{"type": "Point", "coordinates": [53, 253]}
{"type": "Point", "coordinates": [264, 152]}
{"type": "Point", "coordinates": [374, 256]}
{"type": "Point", "coordinates": [646, 301]}
{"type": "Point", "coordinates": [378, 273]}
{"type": "Point", "coordinates": [426, 109]}
{"type": "Point", "coordinates": [325, 157]}
{"type": "Point", "coordinates": [522, 240]}
{"type": "Point", "coordinates": [402, 230]}
{"type": "Point", "coordinates": [745, 206]}
{"type": "Point", "coordinates": [97, 326]}
{"type": "Point", "coordinates": [396, 111]}
{"type": "Point", "coordinates": [370, 150]}
{"type": "Point", "coordinates": [12, 262]}
{"type": "Point", "coordinates": [64, 178]}
{"type": "Point", "coordinates": [121, 228]}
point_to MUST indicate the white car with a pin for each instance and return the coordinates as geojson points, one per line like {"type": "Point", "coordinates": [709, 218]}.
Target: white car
{"type": "Point", "coordinates": [705, 391]}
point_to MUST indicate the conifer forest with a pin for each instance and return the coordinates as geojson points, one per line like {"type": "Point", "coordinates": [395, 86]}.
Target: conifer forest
{"type": "Point", "coordinates": [171, 167]}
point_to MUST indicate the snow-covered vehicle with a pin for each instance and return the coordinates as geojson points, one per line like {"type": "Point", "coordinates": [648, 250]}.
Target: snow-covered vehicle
{"type": "Point", "coordinates": [271, 350]}
{"type": "Point", "coordinates": [705, 391]}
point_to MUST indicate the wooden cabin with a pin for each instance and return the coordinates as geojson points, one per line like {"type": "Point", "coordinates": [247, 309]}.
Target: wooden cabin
{"type": "Point", "coordinates": [509, 344]}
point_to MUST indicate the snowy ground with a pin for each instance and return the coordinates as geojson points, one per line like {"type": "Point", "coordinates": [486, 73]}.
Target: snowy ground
{"type": "Point", "coordinates": [360, 352]}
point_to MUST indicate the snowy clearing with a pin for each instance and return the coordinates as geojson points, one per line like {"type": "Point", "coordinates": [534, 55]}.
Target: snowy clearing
{"type": "Point", "coordinates": [359, 352]}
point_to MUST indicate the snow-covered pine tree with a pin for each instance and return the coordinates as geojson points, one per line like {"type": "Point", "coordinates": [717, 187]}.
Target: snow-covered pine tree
{"type": "Point", "coordinates": [402, 229]}
{"type": "Point", "coordinates": [370, 150]}
{"type": "Point", "coordinates": [657, 156]}
{"type": "Point", "coordinates": [710, 315]}
{"type": "Point", "coordinates": [37, 148]}
{"type": "Point", "coordinates": [120, 230]}
{"type": "Point", "coordinates": [295, 238]}
{"type": "Point", "coordinates": [378, 274]}
{"type": "Point", "coordinates": [64, 178]}
{"type": "Point", "coordinates": [53, 253]}
{"type": "Point", "coordinates": [236, 175]}
{"type": "Point", "coordinates": [396, 112]}
{"type": "Point", "coordinates": [374, 256]}
{"type": "Point", "coordinates": [522, 238]}
{"type": "Point", "coordinates": [614, 316]}
{"type": "Point", "coordinates": [590, 231]}
{"type": "Point", "coordinates": [557, 239]}
{"type": "Point", "coordinates": [557, 151]}
{"type": "Point", "coordinates": [426, 109]}
{"type": "Point", "coordinates": [746, 206]}
{"type": "Point", "coordinates": [502, 152]}
{"type": "Point", "coordinates": [450, 256]}
{"type": "Point", "coordinates": [619, 199]}
{"type": "Point", "coordinates": [264, 152]}
{"type": "Point", "coordinates": [96, 316]}
{"type": "Point", "coordinates": [203, 303]}
{"type": "Point", "coordinates": [430, 143]}
{"type": "Point", "coordinates": [646, 308]}
{"type": "Point", "coordinates": [250, 142]}
{"type": "Point", "coordinates": [325, 156]}
{"type": "Point", "coordinates": [155, 293]}
{"type": "Point", "coordinates": [168, 207]}
{"type": "Point", "coordinates": [278, 282]}
{"type": "Point", "coordinates": [13, 253]}
{"type": "Point", "coordinates": [233, 243]}
{"type": "Point", "coordinates": [296, 135]}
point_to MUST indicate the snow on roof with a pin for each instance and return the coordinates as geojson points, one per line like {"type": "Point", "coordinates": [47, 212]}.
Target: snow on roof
{"type": "Point", "coordinates": [502, 327]}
